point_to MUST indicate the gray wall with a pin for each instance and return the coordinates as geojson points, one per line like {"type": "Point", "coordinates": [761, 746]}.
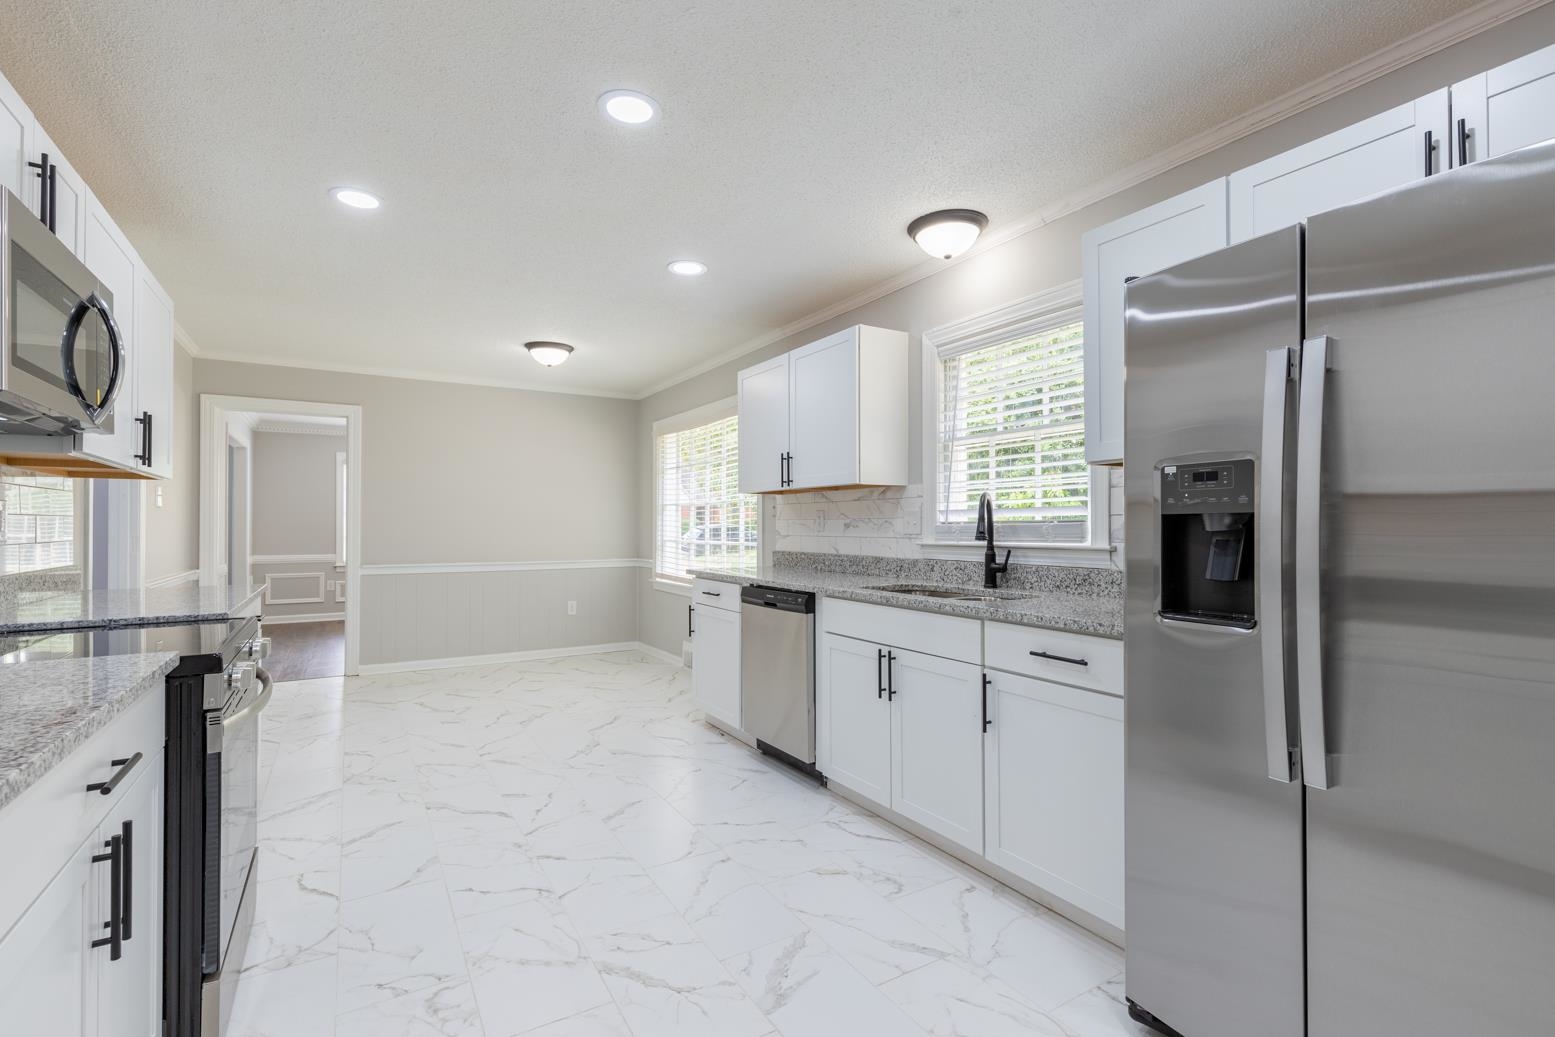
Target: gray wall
{"type": "Point", "coordinates": [293, 493]}
{"type": "Point", "coordinates": [172, 532]}
{"type": "Point", "coordinates": [1049, 256]}
{"type": "Point", "coordinates": [459, 474]}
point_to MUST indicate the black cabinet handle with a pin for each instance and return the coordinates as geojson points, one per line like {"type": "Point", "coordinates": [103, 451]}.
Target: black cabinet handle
{"type": "Point", "coordinates": [53, 197]}
{"type": "Point", "coordinates": [144, 421]}
{"type": "Point", "coordinates": [879, 673]}
{"type": "Point", "coordinates": [127, 870]}
{"type": "Point", "coordinates": [46, 189]}
{"type": "Point", "coordinates": [107, 787]}
{"type": "Point", "coordinates": [713, 594]}
{"type": "Point", "coordinates": [1463, 142]}
{"type": "Point", "coordinates": [986, 721]}
{"type": "Point", "coordinates": [1061, 658]}
{"type": "Point", "coordinates": [1430, 152]}
{"type": "Point", "coordinates": [114, 941]}
{"type": "Point", "coordinates": [690, 620]}
{"type": "Point", "coordinates": [890, 677]}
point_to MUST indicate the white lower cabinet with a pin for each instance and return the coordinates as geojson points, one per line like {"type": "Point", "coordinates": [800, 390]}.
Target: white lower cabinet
{"type": "Point", "coordinates": [46, 963]}
{"type": "Point", "coordinates": [1054, 781]}
{"type": "Point", "coordinates": [937, 745]}
{"type": "Point", "coordinates": [715, 661]}
{"type": "Point", "coordinates": [129, 991]}
{"type": "Point", "coordinates": [853, 739]}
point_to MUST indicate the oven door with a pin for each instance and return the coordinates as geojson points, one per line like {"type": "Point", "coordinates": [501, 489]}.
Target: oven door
{"type": "Point", "coordinates": [64, 356]}
{"type": "Point", "coordinates": [232, 809]}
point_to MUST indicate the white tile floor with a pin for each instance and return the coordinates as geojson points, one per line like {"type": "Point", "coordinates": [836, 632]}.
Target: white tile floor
{"type": "Point", "coordinates": [563, 849]}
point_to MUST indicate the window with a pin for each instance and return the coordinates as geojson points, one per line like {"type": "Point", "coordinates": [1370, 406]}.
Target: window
{"type": "Point", "coordinates": [1011, 423]}
{"type": "Point", "coordinates": [44, 523]}
{"type": "Point", "coordinates": [702, 518]}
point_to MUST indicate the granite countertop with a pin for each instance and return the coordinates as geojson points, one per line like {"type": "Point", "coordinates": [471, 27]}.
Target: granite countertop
{"type": "Point", "coordinates": [40, 610]}
{"type": "Point", "coordinates": [51, 706]}
{"type": "Point", "coordinates": [1081, 601]}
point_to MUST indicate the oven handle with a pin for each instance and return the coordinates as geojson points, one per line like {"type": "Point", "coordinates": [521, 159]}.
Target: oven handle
{"type": "Point", "coordinates": [257, 703]}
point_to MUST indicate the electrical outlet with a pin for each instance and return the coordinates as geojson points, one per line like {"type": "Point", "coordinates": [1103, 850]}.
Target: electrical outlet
{"type": "Point", "coordinates": [820, 520]}
{"type": "Point", "coordinates": [159, 496]}
{"type": "Point", "coordinates": [572, 608]}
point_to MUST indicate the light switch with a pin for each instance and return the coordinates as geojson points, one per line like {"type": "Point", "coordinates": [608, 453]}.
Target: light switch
{"type": "Point", "coordinates": [572, 608]}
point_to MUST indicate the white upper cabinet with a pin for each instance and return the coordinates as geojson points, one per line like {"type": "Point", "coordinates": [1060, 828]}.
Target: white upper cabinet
{"type": "Point", "coordinates": [831, 413]}
{"type": "Point", "coordinates": [1504, 109]}
{"type": "Point", "coordinates": [1377, 154]}
{"type": "Point", "coordinates": [1171, 232]}
{"type": "Point", "coordinates": [109, 255]}
{"type": "Point", "coordinates": [763, 403]}
{"type": "Point", "coordinates": [153, 374]}
{"type": "Point", "coordinates": [16, 147]}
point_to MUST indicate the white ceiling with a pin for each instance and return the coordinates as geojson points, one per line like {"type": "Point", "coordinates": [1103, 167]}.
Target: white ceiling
{"type": "Point", "coordinates": [796, 141]}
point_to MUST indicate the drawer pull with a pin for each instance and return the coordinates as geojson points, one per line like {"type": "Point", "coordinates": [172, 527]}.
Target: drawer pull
{"type": "Point", "coordinates": [1060, 658]}
{"type": "Point", "coordinates": [713, 594]}
{"type": "Point", "coordinates": [125, 766]}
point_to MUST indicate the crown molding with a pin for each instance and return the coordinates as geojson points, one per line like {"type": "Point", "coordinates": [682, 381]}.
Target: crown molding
{"type": "Point", "coordinates": [408, 375]}
{"type": "Point", "coordinates": [1443, 34]}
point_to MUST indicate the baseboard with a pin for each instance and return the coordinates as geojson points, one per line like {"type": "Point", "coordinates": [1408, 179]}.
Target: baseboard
{"type": "Point", "coordinates": [454, 662]}
{"type": "Point", "coordinates": [304, 617]}
{"type": "Point", "coordinates": [187, 576]}
{"type": "Point", "coordinates": [659, 654]}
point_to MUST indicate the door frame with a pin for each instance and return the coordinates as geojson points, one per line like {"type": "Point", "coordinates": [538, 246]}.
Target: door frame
{"type": "Point", "coordinates": [214, 411]}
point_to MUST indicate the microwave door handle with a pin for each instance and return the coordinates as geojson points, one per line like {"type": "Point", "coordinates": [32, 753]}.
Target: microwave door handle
{"type": "Point", "coordinates": [1315, 360]}
{"type": "Point", "coordinates": [1280, 369]}
{"type": "Point", "coordinates": [94, 409]}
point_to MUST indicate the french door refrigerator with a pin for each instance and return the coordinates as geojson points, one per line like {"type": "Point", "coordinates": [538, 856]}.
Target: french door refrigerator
{"type": "Point", "coordinates": [1340, 619]}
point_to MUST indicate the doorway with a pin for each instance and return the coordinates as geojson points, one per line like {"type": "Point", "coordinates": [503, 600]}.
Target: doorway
{"type": "Point", "coordinates": [280, 511]}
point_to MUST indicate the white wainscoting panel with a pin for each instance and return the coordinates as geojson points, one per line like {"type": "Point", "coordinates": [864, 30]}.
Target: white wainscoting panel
{"type": "Point", "coordinates": [306, 588]}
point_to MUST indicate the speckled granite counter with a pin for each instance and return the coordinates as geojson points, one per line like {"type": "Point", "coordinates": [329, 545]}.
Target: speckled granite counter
{"type": "Point", "coordinates": [90, 609]}
{"type": "Point", "coordinates": [49, 707]}
{"type": "Point", "coordinates": [1079, 600]}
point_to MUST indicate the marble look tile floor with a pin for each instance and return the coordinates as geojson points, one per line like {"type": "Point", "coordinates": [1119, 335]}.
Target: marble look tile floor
{"type": "Point", "coordinates": [562, 848]}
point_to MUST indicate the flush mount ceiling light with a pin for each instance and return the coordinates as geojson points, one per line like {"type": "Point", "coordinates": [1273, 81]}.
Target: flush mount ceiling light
{"type": "Point", "coordinates": [355, 198]}
{"type": "Point", "coordinates": [549, 353]}
{"type": "Point", "coordinates": [628, 106]}
{"type": "Point", "coordinates": [688, 268]}
{"type": "Point", "coordinates": [947, 233]}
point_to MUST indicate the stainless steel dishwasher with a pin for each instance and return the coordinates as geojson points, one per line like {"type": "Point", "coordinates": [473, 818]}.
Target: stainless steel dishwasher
{"type": "Point", "coordinates": [777, 672]}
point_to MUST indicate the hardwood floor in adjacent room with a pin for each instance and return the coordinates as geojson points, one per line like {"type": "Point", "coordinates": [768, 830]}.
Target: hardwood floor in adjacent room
{"type": "Point", "coordinates": [303, 651]}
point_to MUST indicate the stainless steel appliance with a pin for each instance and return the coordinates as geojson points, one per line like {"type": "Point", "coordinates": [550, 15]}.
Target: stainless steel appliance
{"type": "Point", "coordinates": [777, 672]}
{"type": "Point", "coordinates": [63, 356]}
{"type": "Point", "coordinates": [1340, 619]}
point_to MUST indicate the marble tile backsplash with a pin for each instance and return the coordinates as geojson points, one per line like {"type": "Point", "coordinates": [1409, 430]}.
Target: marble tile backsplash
{"type": "Point", "coordinates": [881, 521]}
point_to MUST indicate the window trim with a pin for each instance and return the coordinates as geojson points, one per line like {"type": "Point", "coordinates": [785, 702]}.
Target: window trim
{"type": "Point", "coordinates": [728, 407]}
{"type": "Point", "coordinates": [982, 329]}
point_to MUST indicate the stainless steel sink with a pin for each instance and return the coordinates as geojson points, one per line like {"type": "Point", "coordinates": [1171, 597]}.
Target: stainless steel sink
{"type": "Point", "coordinates": [921, 590]}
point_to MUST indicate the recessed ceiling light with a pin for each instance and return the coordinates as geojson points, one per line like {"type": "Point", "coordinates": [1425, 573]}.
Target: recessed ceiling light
{"type": "Point", "coordinates": [688, 268]}
{"type": "Point", "coordinates": [355, 198]}
{"type": "Point", "coordinates": [628, 106]}
{"type": "Point", "coordinates": [947, 233]}
{"type": "Point", "coordinates": [549, 353]}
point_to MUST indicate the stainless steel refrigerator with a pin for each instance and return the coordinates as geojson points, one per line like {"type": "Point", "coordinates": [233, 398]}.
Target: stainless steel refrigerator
{"type": "Point", "coordinates": [1340, 484]}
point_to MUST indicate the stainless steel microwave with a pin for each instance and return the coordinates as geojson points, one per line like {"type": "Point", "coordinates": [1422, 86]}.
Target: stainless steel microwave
{"type": "Point", "coordinates": [63, 353]}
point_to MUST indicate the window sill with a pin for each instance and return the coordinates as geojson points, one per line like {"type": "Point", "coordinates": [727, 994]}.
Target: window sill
{"type": "Point", "coordinates": [672, 586]}
{"type": "Point", "coordinates": [1091, 555]}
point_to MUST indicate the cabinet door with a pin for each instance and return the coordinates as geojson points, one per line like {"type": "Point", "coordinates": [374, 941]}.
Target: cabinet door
{"type": "Point", "coordinates": [109, 255]}
{"type": "Point", "coordinates": [1144, 242]}
{"type": "Point", "coordinates": [853, 736]}
{"type": "Point", "coordinates": [763, 401]}
{"type": "Point", "coordinates": [1386, 151]}
{"type": "Point", "coordinates": [1504, 109]}
{"type": "Point", "coordinates": [1055, 790]}
{"type": "Point", "coordinates": [16, 146]}
{"type": "Point", "coordinates": [129, 991]}
{"type": "Point", "coordinates": [47, 966]}
{"type": "Point", "coordinates": [70, 194]}
{"type": "Point", "coordinates": [823, 412]}
{"type": "Point", "coordinates": [715, 663]}
{"type": "Point", "coordinates": [937, 745]}
{"type": "Point", "coordinates": [154, 368]}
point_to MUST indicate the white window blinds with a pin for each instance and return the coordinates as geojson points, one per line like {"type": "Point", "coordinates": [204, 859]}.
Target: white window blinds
{"type": "Point", "coordinates": [1012, 423]}
{"type": "Point", "coordinates": [703, 518]}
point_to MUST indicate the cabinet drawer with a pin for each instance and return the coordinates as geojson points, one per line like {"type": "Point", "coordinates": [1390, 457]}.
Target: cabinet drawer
{"type": "Point", "coordinates": [950, 637]}
{"type": "Point", "coordinates": [1011, 647]}
{"type": "Point", "coordinates": [715, 594]}
{"type": "Point", "coordinates": [53, 816]}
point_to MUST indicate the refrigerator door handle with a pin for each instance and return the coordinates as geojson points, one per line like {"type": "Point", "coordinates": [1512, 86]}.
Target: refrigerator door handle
{"type": "Point", "coordinates": [1315, 361]}
{"type": "Point", "coordinates": [1282, 365]}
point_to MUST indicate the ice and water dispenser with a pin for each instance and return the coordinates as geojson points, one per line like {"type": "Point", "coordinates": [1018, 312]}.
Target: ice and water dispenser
{"type": "Point", "coordinates": [1207, 529]}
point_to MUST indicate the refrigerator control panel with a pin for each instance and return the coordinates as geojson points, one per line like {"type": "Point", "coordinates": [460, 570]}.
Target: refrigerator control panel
{"type": "Point", "coordinates": [1213, 486]}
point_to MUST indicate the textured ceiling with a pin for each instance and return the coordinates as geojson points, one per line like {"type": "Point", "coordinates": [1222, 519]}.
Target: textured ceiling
{"type": "Point", "coordinates": [796, 141]}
